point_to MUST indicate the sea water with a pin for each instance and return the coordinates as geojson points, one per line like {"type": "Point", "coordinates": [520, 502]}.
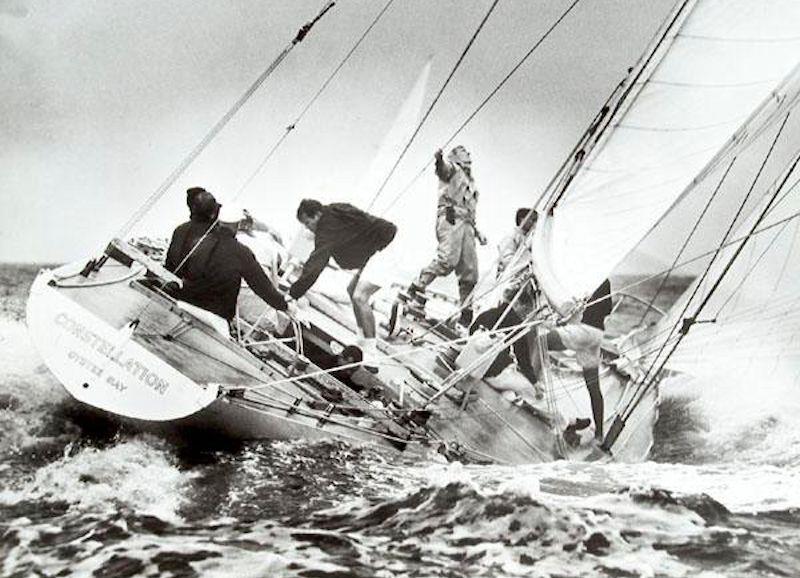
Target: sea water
{"type": "Point", "coordinates": [720, 496]}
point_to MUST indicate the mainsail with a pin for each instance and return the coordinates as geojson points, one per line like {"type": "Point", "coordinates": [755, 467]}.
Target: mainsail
{"type": "Point", "coordinates": [684, 109]}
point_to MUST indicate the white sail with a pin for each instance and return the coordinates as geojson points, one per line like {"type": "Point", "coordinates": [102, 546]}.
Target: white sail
{"type": "Point", "coordinates": [749, 331]}
{"type": "Point", "coordinates": [689, 108]}
{"type": "Point", "coordinates": [401, 130]}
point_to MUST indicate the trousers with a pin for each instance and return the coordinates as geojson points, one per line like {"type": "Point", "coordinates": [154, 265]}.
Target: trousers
{"type": "Point", "coordinates": [456, 251]}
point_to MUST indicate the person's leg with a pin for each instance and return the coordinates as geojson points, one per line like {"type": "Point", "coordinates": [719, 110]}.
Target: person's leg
{"type": "Point", "coordinates": [524, 355]}
{"type": "Point", "coordinates": [360, 291]}
{"type": "Point", "coordinates": [448, 253]}
{"type": "Point", "coordinates": [587, 351]}
{"type": "Point", "coordinates": [591, 375]}
{"type": "Point", "coordinates": [467, 272]}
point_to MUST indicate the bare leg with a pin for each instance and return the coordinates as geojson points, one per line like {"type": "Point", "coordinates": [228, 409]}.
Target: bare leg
{"type": "Point", "coordinates": [591, 375]}
{"type": "Point", "coordinates": [360, 292]}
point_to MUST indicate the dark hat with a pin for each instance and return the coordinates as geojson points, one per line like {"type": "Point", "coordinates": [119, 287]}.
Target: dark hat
{"type": "Point", "coordinates": [202, 204]}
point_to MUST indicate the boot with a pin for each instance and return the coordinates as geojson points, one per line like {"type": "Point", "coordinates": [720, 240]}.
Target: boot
{"type": "Point", "coordinates": [465, 289]}
{"type": "Point", "coordinates": [414, 298]}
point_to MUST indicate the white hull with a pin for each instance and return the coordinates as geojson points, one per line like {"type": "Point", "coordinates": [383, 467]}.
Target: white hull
{"type": "Point", "coordinates": [82, 327]}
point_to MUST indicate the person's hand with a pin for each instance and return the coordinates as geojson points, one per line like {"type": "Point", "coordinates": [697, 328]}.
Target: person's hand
{"type": "Point", "coordinates": [481, 238]}
{"type": "Point", "coordinates": [438, 154]}
{"type": "Point", "coordinates": [291, 307]}
{"type": "Point", "coordinates": [296, 313]}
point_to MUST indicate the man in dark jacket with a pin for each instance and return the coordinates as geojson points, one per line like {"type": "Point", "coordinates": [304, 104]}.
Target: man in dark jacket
{"type": "Point", "coordinates": [203, 210]}
{"type": "Point", "coordinates": [351, 237]}
{"type": "Point", "coordinates": [214, 264]}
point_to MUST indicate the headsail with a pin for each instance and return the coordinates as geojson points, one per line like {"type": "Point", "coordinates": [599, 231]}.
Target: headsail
{"type": "Point", "coordinates": [401, 130]}
{"type": "Point", "coordinates": [688, 107]}
{"type": "Point", "coordinates": [748, 331]}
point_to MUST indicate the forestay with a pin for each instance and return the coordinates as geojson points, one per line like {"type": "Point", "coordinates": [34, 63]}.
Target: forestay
{"type": "Point", "coordinates": [688, 107]}
{"type": "Point", "coordinates": [748, 331]}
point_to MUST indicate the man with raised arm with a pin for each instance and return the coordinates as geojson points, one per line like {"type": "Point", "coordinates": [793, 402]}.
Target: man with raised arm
{"type": "Point", "coordinates": [455, 232]}
{"type": "Point", "coordinates": [352, 237]}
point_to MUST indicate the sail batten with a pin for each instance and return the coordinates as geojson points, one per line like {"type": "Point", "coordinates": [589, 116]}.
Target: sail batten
{"type": "Point", "coordinates": [675, 127]}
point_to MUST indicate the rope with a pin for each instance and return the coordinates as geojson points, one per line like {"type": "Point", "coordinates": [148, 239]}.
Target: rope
{"type": "Point", "coordinates": [395, 355]}
{"type": "Point", "coordinates": [433, 103]}
{"type": "Point", "coordinates": [215, 130]}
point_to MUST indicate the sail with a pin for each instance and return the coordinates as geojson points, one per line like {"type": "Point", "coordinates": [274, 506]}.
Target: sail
{"type": "Point", "coordinates": [748, 332]}
{"type": "Point", "coordinates": [401, 130]}
{"type": "Point", "coordinates": [687, 107]}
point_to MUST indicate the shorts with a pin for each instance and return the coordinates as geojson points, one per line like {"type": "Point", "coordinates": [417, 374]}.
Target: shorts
{"type": "Point", "coordinates": [584, 340]}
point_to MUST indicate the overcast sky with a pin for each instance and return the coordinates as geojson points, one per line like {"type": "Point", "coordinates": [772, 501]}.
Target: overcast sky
{"type": "Point", "coordinates": [99, 101]}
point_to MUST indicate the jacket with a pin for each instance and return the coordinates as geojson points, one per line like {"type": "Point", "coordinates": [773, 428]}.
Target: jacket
{"type": "Point", "coordinates": [349, 235]}
{"type": "Point", "coordinates": [213, 274]}
{"type": "Point", "coordinates": [456, 190]}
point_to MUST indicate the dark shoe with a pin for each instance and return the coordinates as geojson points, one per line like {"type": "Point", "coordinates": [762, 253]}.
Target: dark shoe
{"type": "Point", "coordinates": [413, 294]}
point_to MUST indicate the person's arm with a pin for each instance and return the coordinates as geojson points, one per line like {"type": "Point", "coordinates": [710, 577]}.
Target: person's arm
{"type": "Point", "coordinates": [171, 260]}
{"type": "Point", "coordinates": [258, 281]}
{"type": "Point", "coordinates": [315, 265]}
{"type": "Point", "coordinates": [444, 169]}
{"type": "Point", "coordinates": [506, 250]}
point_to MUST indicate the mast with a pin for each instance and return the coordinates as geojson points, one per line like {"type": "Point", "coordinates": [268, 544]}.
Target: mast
{"type": "Point", "coordinates": [684, 110]}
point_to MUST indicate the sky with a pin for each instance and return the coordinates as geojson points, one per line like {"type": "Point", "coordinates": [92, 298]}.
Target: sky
{"type": "Point", "coordinates": [100, 101]}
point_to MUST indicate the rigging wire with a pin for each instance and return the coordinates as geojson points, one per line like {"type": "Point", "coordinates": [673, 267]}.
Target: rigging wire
{"type": "Point", "coordinates": [688, 238]}
{"type": "Point", "coordinates": [291, 127]}
{"type": "Point", "coordinates": [718, 280]}
{"type": "Point", "coordinates": [397, 354]}
{"type": "Point", "coordinates": [486, 100]}
{"type": "Point", "coordinates": [733, 222]}
{"type": "Point", "coordinates": [749, 272]}
{"type": "Point", "coordinates": [222, 122]}
{"type": "Point", "coordinates": [433, 103]}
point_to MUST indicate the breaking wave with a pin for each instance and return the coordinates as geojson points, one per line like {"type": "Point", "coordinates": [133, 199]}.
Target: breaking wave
{"type": "Point", "coordinates": [80, 498]}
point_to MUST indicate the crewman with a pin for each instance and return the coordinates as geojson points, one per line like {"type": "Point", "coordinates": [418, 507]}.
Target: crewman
{"type": "Point", "coordinates": [518, 300]}
{"type": "Point", "coordinates": [455, 232]}
{"type": "Point", "coordinates": [583, 333]}
{"type": "Point", "coordinates": [203, 209]}
{"type": "Point", "coordinates": [352, 237]}
{"type": "Point", "coordinates": [215, 266]}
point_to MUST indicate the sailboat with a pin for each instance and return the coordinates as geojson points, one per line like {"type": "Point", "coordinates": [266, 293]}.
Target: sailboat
{"type": "Point", "coordinates": [716, 76]}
